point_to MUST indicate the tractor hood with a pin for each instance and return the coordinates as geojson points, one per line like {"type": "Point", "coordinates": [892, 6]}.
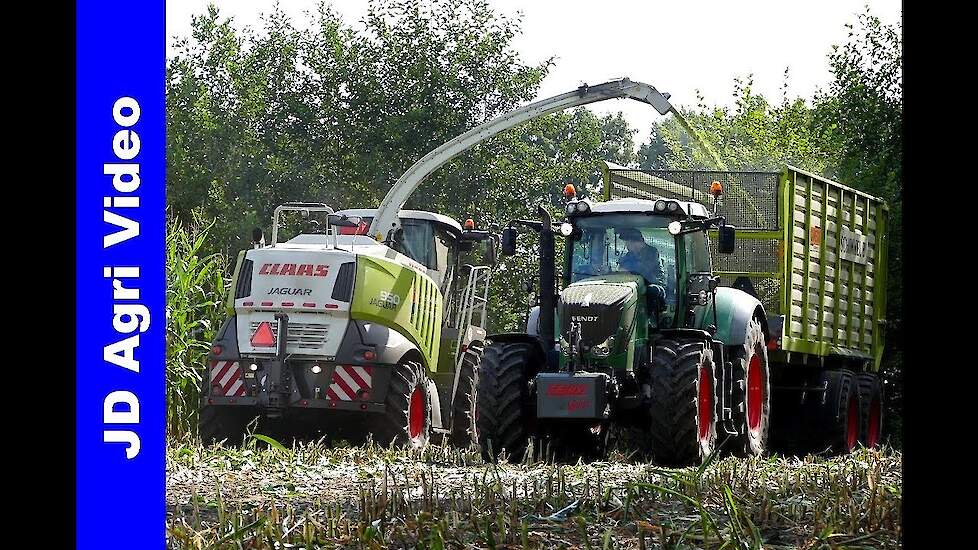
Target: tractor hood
{"type": "Point", "coordinates": [602, 305]}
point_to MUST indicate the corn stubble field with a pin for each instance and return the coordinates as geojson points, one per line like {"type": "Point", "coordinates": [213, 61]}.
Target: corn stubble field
{"type": "Point", "coordinates": [313, 495]}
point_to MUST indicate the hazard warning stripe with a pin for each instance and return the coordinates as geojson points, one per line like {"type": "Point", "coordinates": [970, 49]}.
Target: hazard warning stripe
{"type": "Point", "coordinates": [347, 381]}
{"type": "Point", "coordinates": [226, 378]}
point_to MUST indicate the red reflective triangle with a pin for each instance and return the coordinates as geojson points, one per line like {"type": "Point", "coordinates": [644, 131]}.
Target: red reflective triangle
{"type": "Point", "coordinates": [263, 337]}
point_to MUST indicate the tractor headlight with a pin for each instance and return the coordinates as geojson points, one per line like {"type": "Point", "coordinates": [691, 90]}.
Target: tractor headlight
{"type": "Point", "coordinates": [570, 208]}
{"type": "Point", "coordinates": [566, 229]}
{"type": "Point", "coordinates": [703, 297]}
{"type": "Point", "coordinates": [660, 206]}
{"type": "Point", "coordinates": [672, 206]}
{"type": "Point", "coordinates": [582, 207]}
{"type": "Point", "coordinates": [604, 348]}
{"type": "Point", "coordinates": [675, 228]}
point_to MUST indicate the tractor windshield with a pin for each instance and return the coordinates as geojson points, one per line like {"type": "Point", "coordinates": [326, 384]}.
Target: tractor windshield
{"type": "Point", "coordinates": [624, 243]}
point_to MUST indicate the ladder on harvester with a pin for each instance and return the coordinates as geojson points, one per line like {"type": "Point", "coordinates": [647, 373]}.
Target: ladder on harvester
{"type": "Point", "coordinates": [474, 303]}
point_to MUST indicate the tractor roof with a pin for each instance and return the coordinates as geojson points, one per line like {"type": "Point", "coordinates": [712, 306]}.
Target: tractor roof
{"type": "Point", "coordinates": [694, 209]}
{"type": "Point", "coordinates": [405, 215]}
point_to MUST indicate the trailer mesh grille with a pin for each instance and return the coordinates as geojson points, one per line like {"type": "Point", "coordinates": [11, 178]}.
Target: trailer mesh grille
{"type": "Point", "coordinates": [750, 199]}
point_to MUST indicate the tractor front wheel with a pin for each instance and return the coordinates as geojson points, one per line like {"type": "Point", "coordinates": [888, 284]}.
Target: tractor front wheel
{"type": "Point", "coordinates": [683, 404]}
{"type": "Point", "coordinates": [503, 402]}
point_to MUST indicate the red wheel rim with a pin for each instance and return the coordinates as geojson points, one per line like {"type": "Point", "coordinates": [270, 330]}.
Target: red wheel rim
{"type": "Point", "coordinates": [416, 413]}
{"type": "Point", "coordinates": [705, 403]}
{"type": "Point", "coordinates": [755, 393]}
{"type": "Point", "coordinates": [852, 424]}
{"type": "Point", "coordinates": [873, 437]}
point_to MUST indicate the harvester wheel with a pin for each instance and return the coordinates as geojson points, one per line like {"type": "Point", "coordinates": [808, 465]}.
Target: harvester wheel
{"type": "Point", "coordinates": [464, 429]}
{"type": "Point", "coordinates": [683, 413]}
{"type": "Point", "coordinates": [503, 401]}
{"type": "Point", "coordinates": [216, 423]}
{"type": "Point", "coordinates": [751, 393]}
{"type": "Point", "coordinates": [838, 417]}
{"type": "Point", "coordinates": [407, 420]}
{"type": "Point", "coordinates": [871, 401]}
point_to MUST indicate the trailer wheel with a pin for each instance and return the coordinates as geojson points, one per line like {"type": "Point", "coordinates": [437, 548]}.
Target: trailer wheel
{"type": "Point", "coordinates": [751, 393]}
{"type": "Point", "coordinates": [871, 402]}
{"type": "Point", "coordinates": [503, 401]}
{"type": "Point", "coordinates": [683, 411]}
{"type": "Point", "coordinates": [837, 417]}
{"type": "Point", "coordinates": [464, 429]}
{"type": "Point", "coordinates": [407, 420]}
{"type": "Point", "coordinates": [228, 423]}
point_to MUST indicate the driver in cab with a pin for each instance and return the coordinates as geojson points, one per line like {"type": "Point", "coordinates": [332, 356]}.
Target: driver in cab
{"type": "Point", "coordinates": [641, 258]}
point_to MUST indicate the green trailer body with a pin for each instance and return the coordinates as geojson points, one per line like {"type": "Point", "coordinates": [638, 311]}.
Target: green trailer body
{"type": "Point", "coordinates": [813, 250]}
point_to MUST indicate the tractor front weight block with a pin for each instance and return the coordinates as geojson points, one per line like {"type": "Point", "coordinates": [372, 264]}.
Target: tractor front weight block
{"type": "Point", "coordinates": [572, 395]}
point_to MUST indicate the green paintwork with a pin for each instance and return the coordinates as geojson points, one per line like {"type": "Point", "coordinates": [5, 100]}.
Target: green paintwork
{"type": "Point", "coordinates": [416, 312]}
{"type": "Point", "coordinates": [627, 339]}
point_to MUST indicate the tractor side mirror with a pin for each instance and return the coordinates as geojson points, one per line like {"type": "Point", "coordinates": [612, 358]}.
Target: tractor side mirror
{"type": "Point", "coordinates": [509, 241]}
{"type": "Point", "coordinates": [257, 236]}
{"type": "Point", "coordinates": [343, 221]}
{"type": "Point", "coordinates": [726, 237]}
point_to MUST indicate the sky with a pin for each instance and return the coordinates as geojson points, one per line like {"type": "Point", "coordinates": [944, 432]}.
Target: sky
{"type": "Point", "coordinates": [678, 47]}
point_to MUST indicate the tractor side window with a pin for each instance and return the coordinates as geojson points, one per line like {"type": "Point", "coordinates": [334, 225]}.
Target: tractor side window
{"type": "Point", "coordinates": [698, 252]}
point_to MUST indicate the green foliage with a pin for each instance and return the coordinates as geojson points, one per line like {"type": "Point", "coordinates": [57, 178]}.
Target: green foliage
{"type": "Point", "coordinates": [195, 292]}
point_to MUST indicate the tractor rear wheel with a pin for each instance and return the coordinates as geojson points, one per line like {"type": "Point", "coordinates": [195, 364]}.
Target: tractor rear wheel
{"type": "Point", "coordinates": [407, 420]}
{"type": "Point", "coordinates": [871, 401]}
{"type": "Point", "coordinates": [216, 423]}
{"type": "Point", "coordinates": [683, 406]}
{"type": "Point", "coordinates": [837, 414]}
{"type": "Point", "coordinates": [503, 400]}
{"type": "Point", "coordinates": [751, 393]}
{"type": "Point", "coordinates": [464, 429]}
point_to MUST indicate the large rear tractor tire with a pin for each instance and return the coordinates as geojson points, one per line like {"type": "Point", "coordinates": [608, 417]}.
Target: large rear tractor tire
{"type": "Point", "coordinates": [751, 393]}
{"type": "Point", "coordinates": [228, 423]}
{"type": "Point", "coordinates": [683, 411]}
{"type": "Point", "coordinates": [503, 402]}
{"type": "Point", "coordinates": [464, 429]}
{"type": "Point", "coordinates": [407, 420]}
{"type": "Point", "coordinates": [838, 417]}
{"type": "Point", "coordinates": [871, 401]}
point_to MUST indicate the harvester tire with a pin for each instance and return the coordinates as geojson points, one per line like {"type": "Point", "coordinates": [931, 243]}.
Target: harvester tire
{"type": "Point", "coordinates": [503, 401]}
{"type": "Point", "coordinates": [683, 408]}
{"type": "Point", "coordinates": [406, 422]}
{"type": "Point", "coordinates": [228, 423]}
{"type": "Point", "coordinates": [464, 429]}
{"type": "Point", "coordinates": [836, 415]}
{"type": "Point", "coordinates": [871, 402]}
{"type": "Point", "coordinates": [751, 393]}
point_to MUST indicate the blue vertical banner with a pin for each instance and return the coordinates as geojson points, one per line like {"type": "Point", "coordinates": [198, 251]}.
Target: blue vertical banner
{"type": "Point", "coordinates": [120, 293]}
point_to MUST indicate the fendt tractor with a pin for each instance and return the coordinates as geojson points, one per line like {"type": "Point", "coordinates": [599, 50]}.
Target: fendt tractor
{"type": "Point", "coordinates": [366, 322]}
{"type": "Point", "coordinates": [768, 332]}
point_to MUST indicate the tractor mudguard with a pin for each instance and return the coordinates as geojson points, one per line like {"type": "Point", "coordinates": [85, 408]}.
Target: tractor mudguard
{"type": "Point", "coordinates": [389, 345]}
{"type": "Point", "coordinates": [735, 308]}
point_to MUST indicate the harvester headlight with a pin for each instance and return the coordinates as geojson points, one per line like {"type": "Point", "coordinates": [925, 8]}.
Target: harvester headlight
{"type": "Point", "coordinates": [253, 367]}
{"type": "Point", "coordinates": [566, 229]}
{"type": "Point", "coordinates": [675, 228]}
{"type": "Point", "coordinates": [316, 369]}
{"type": "Point", "coordinates": [672, 206]}
{"type": "Point", "coordinates": [660, 206]}
{"type": "Point", "coordinates": [582, 207]}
